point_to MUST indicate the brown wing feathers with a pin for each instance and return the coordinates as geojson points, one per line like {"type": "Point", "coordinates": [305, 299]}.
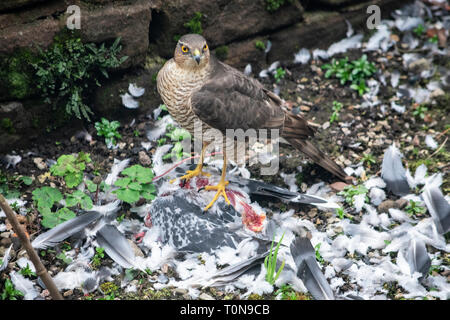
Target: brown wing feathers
{"type": "Point", "coordinates": [231, 100]}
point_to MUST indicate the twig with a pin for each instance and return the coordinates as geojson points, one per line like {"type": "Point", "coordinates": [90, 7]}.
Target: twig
{"type": "Point", "coordinates": [438, 149]}
{"type": "Point", "coordinates": [40, 269]}
{"type": "Point", "coordinates": [442, 133]}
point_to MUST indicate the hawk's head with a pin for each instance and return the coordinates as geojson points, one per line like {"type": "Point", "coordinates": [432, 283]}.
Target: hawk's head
{"type": "Point", "coordinates": [192, 52]}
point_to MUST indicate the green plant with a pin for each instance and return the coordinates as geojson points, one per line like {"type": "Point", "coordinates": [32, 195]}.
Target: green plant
{"type": "Point", "coordinates": [108, 129]}
{"type": "Point", "coordinates": [137, 184]}
{"type": "Point", "coordinates": [318, 255]}
{"type": "Point", "coordinates": [78, 197]}
{"type": "Point", "coordinates": [414, 208]}
{"type": "Point", "coordinates": [7, 125]}
{"type": "Point", "coordinates": [195, 24]}
{"type": "Point", "coordinates": [62, 256]}
{"type": "Point", "coordinates": [260, 45]}
{"type": "Point", "coordinates": [350, 191]}
{"type": "Point", "coordinates": [176, 135]}
{"type": "Point", "coordinates": [337, 106]}
{"type": "Point", "coordinates": [356, 72]}
{"type": "Point", "coordinates": [274, 5]}
{"type": "Point", "coordinates": [26, 271]}
{"type": "Point", "coordinates": [419, 30]}
{"type": "Point", "coordinates": [9, 292]}
{"type": "Point", "coordinates": [98, 256]}
{"type": "Point", "coordinates": [222, 52]}
{"type": "Point", "coordinates": [44, 199]}
{"type": "Point", "coordinates": [69, 69]}
{"type": "Point", "coordinates": [279, 74]}
{"type": "Point", "coordinates": [136, 133]}
{"type": "Point", "coordinates": [286, 292]}
{"type": "Point", "coordinates": [340, 213]}
{"type": "Point", "coordinates": [270, 263]}
{"type": "Point", "coordinates": [434, 39]}
{"type": "Point", "coordinates": [420, 111]}
{"type": "Point", "coordinates": [368, 159]}
{"type": "Point", "coordinates": [360, 86]}
{"type": "Point", "coordinates": [71, 168]}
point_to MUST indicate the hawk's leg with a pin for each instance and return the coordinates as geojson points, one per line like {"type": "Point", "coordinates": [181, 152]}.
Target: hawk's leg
{"type": "Point", "coordinates": [220, 187]}
{"type": "Point", "coordinates": [198, 170]}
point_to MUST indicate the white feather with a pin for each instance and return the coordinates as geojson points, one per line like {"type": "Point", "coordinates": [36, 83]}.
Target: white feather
{"type": "Point", "coordinates": [430, 142]}
{"type": "Point", "coordinates": [129, 102]}
{"type": "Point", "coordinates": [24, 285]}
{"type": "Point", "coordinates": [117, 167]}
{"type": "Point", "coordinates": [135, 90]}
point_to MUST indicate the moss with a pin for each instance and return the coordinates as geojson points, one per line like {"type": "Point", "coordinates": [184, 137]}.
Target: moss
{"type": "Point", "coordinates": [158, 294]}
{"type": "Point", "coordinates": [195, 24]}
{"type": "Point", "coordinates": [255, 296]}
{"type": "Point", "coordinates": [16, 74]}
{"type": "Point", "coordinates": [274, 5]}
{"type": "Point", "coordinates": [222, 52]}
{"type": "Point", "coordinates": [108, 288]}
{"type": "Point", "coordinates": [260, 45]}
{"type": "Point", "coordinates": [7, 125]}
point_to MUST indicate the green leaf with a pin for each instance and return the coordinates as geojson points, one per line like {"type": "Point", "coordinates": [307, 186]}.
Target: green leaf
{"type": "Point", "coordinates": [26, 180]}
{"type": "Point", "coordinates": [46, 196]}
{"type": "Point", "coordinates": [123, 182]}
{"type": "Point", "coordinates": [127, 195]}
{"type": "Point", "coordinates": [139, 173]}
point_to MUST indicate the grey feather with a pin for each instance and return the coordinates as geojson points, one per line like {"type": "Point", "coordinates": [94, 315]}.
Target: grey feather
{"type": "Point", "coordinates": [393, 172]}
{"type": "Point", "coordinates": [255, 187]}
{"type": "Point", "coordinates": [439, 208]}
{"type": "Point", "coordinates": [232, 272]}
{"type": "Point", "coordinates": [417, 257]}
{"type": "Point", "coordinates": [116, 246]}
{"type": "Point", "coordinates": [65, 230]}
{"type": "Point", "coordinates": [308, 270]}
{"type": "Point", "coordinates": [6, 258]}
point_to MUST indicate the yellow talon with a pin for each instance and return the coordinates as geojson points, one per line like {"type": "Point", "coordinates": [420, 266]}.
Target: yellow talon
{"type": "Point", "coordinates": [220, 191]}
{"type": "Point", "coordinates": [192, 173]}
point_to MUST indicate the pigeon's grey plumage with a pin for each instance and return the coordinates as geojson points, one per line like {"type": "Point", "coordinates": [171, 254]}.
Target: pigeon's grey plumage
{"type": "Point", "coordinates": [393, 172]}
{"type": "Point", "coordinates": [116, 246]}
{"type": "Point", "coordinates": [308, 270]}
{"type": "Point", "coordinates": [438, 207]}
{"type": "Point", "coordinates": [64, 230]}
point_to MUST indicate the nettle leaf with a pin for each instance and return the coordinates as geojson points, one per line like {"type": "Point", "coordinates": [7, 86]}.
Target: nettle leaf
{"type": "Point", "coordinates": [139, 173]}
{"type": "Point", "coordinates": [46, 196]}
{"type": "Point", "coordinates": [127, 195]}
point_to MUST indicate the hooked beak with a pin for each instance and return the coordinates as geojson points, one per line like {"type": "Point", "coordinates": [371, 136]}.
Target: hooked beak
{"type": "Point", "coordinates": [197, 56]}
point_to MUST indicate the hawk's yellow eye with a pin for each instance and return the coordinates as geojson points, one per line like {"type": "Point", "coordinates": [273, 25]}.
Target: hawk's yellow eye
{"type": "Point", "coordinates": [205, 47]}
{"type": "Point", "coordinates": [184, 49]}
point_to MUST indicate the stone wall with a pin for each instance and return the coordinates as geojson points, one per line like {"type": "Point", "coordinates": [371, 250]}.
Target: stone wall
{"type": "Point", "coordinates": [148, 31]}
